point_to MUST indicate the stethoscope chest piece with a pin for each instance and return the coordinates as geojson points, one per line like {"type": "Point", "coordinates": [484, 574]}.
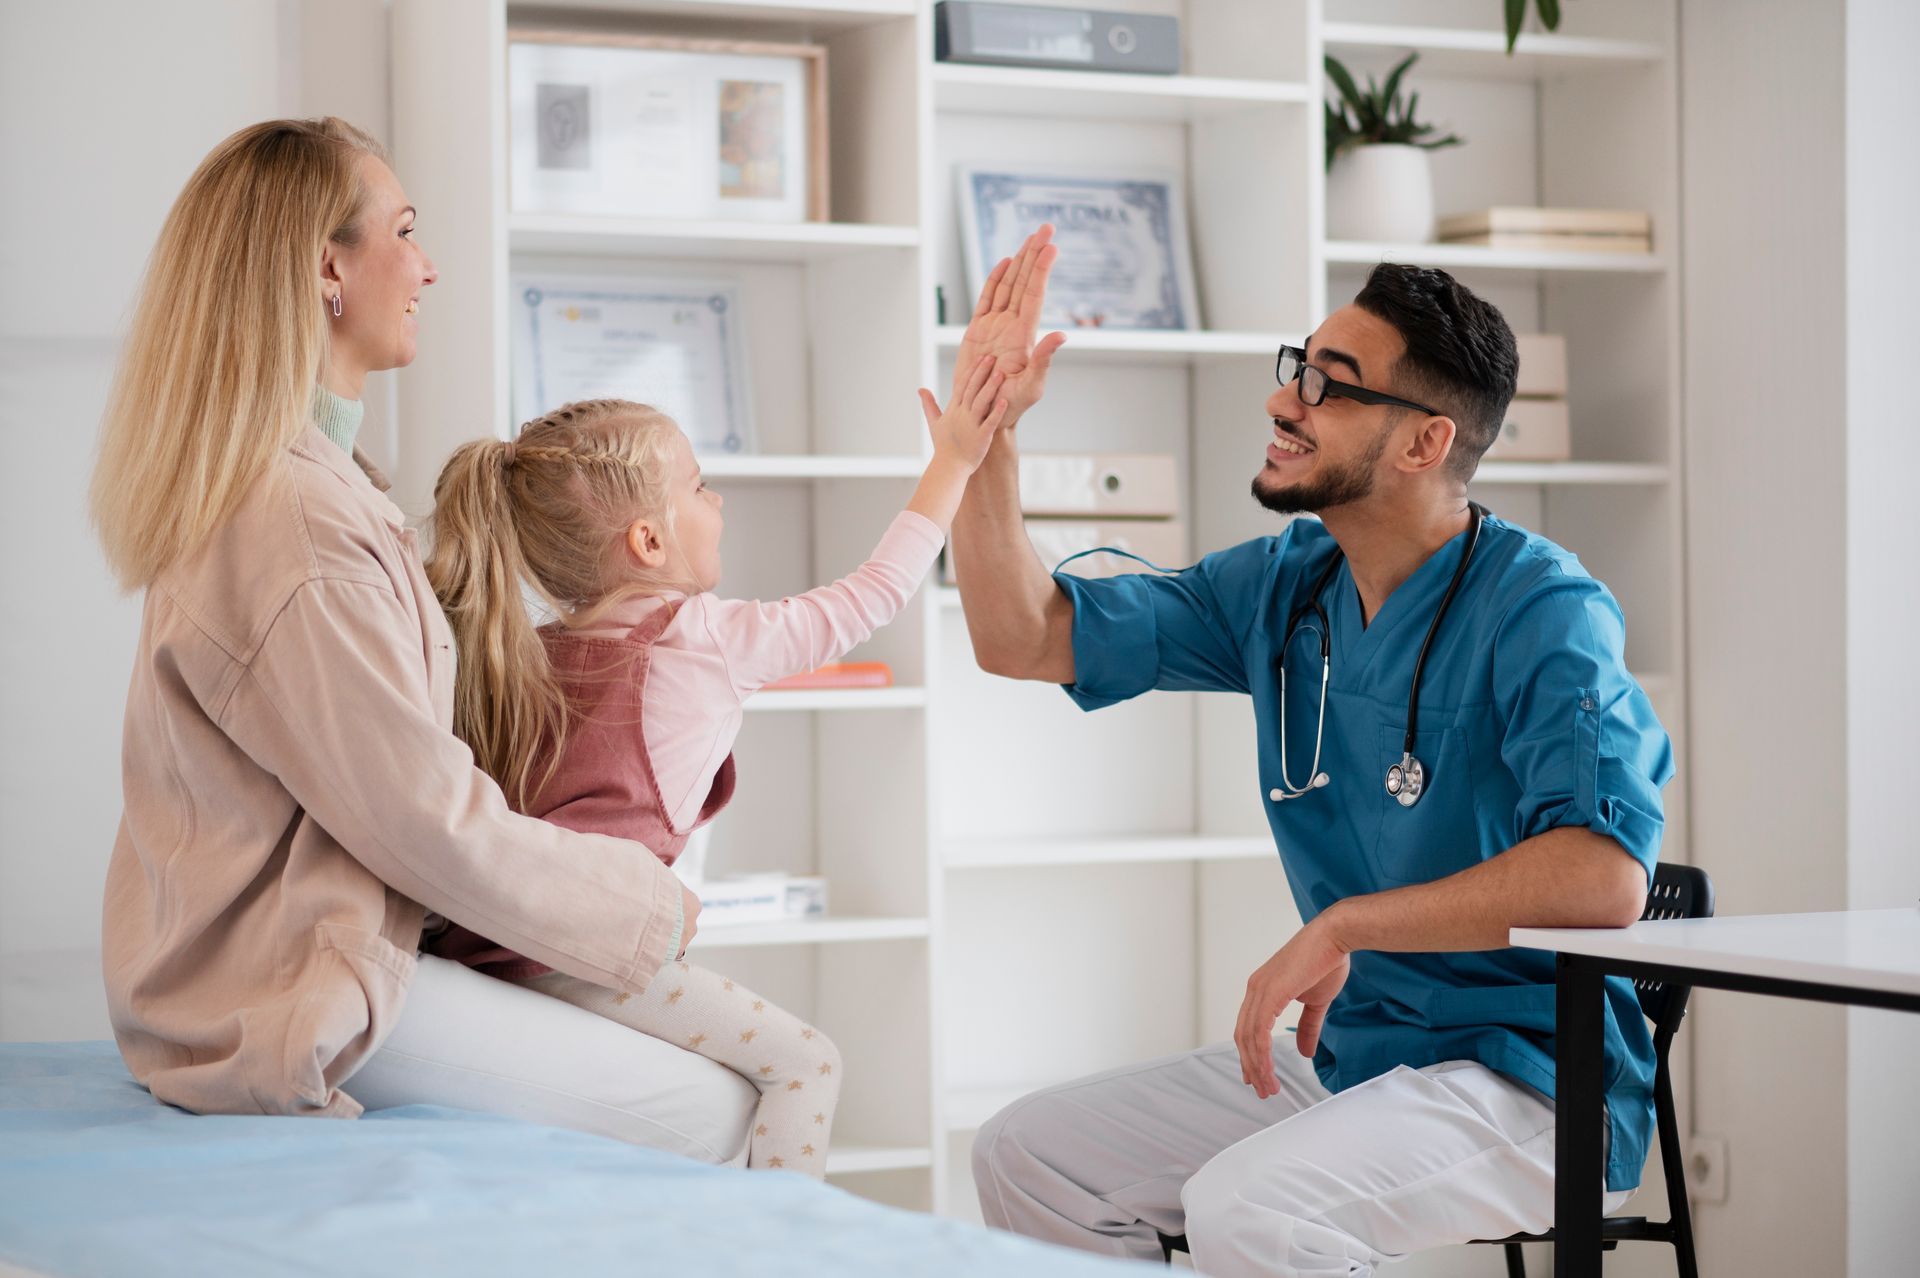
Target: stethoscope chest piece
{"type": "Point", "coordinates": [1407, 780]}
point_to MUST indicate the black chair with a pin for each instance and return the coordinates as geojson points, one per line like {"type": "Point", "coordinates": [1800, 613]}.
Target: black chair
{"type": "Point", "coordinates": [1678, 892]}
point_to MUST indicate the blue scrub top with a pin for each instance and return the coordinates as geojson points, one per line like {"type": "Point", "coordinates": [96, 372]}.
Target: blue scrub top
{"type": "Point", "coordinates": [1528, 721]}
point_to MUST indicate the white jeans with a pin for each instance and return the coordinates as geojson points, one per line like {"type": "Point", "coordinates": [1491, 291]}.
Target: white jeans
{"type": "Point", "coordinates": [473, 1042]}
{"type": "Point", "coordinates": [1302, 1183]}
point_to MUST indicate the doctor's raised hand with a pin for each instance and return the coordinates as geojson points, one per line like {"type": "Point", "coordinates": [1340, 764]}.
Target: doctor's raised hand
{"type": "Point", "coordinates": [1005, 321]}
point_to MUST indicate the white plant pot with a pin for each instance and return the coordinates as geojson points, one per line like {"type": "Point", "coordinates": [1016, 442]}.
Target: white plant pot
{"type": "Point", "coordinates": [1381, 194]}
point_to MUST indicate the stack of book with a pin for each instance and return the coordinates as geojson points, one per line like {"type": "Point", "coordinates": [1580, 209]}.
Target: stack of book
{"type": "Point", "coordinates": [1570, 230]}
{"type": "Point", "coordinates": [1128, 502]}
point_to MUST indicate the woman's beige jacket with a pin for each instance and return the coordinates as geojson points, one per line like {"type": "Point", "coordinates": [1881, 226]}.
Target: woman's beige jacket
{"type": "Point", "coordinates": [295, 800]}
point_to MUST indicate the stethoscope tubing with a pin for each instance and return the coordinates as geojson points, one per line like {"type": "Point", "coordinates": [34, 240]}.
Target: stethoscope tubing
{"type": "Point", "coordinates": [1412, 775]}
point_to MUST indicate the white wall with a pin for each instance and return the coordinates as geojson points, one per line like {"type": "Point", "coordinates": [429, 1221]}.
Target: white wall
{"type": "Point", "coordinates": [108, 105]}
{"type": "Point", "coordinates": [1798, 192]}
{"type": "Point", "coordinates": [1883, 612]}
{"type": "Point", "coordinates": [1763, 196]}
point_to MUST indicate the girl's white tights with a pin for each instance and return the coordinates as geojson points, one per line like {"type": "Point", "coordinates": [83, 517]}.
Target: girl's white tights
{"type": "Point", "coordinates": [795, 1066]}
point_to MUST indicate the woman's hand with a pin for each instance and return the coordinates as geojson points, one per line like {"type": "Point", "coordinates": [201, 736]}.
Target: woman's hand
{"type": "Point", "coordinates": [964, 431]}
{"type": "Point", "coordinates": [689, 919]}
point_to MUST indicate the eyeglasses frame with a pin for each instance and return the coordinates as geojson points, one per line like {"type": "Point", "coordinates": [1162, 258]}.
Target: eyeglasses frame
{"type": "Point", "coordinates": [1342, 390]}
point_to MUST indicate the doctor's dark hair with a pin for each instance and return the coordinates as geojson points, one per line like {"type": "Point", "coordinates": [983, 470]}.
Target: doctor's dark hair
{"type": "Point", "coordinates": [1460, 355]}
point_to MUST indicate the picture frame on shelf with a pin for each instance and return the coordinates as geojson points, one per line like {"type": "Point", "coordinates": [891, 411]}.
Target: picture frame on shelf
{"type": "Point", "coordinates": [676, 344]}
{"type": "Point", "coordinates": [619, 125]}
{"type": "Point", "coordinates": [1126, 261]}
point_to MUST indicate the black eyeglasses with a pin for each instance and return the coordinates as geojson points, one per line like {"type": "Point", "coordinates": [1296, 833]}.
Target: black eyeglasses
{"type": "Point", "coordinates": [1315, 385]}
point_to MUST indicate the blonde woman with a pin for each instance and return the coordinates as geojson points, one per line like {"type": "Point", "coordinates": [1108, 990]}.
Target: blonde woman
{"type": "Point", "coordinates": [295, 800]}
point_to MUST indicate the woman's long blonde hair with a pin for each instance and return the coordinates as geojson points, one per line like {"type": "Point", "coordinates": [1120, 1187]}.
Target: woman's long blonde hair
{"type": "Point", "coordinates": [547, 513]}
{"type": "Point", "coordinates": [218, 372]}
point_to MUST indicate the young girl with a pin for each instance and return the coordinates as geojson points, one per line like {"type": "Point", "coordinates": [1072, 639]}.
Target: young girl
{"type": "Point", "coordinates": [619, 718]}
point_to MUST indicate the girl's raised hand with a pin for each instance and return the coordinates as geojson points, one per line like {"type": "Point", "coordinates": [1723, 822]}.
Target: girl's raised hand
{"type": "Point", "coordinates": [964, 430]}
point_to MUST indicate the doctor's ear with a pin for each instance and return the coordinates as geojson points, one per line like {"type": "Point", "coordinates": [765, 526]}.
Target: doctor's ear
{"type": "Point", "coordinates": [1431, 444]}
{"type": "Point", "coordinates": [645, 544]}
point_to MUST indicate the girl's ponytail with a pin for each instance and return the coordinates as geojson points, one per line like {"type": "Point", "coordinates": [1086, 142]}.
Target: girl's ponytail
{"type": "Point", "coordinates": [507, 704]}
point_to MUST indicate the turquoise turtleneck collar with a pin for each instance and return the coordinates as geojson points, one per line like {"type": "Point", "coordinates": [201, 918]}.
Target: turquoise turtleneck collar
{"type": "Point", "coordinates": [338, 419]}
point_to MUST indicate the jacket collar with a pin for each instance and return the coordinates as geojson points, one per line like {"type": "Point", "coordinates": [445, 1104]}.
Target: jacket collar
{"type": "Point", "coordinates": [356, 472]}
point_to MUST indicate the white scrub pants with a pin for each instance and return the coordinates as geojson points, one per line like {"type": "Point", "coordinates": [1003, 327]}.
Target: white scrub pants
{"type": "Point", "coordinates": [1302, 1183]}
{"type": "Point", "coordinates": [473, 1042]}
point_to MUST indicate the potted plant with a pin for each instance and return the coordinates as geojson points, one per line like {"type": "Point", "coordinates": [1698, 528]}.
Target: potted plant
{"type": "Point", "coordinates": [1379, 184]}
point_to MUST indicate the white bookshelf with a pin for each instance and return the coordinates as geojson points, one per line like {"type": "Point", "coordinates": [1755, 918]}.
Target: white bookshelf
{"type": "Point", "coordinates": [1024, 893]}
{"type": "Point", "coordinates": [820, 931]}
{"type": "Point", "coordinates": [775, 701]}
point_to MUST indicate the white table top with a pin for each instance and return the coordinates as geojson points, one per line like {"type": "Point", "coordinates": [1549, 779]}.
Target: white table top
{"type": "Point", "coordinates": [1862, 949]}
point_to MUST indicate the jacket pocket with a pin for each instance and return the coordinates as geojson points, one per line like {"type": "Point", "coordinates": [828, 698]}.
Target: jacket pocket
{"type": "Point", "coordinates": [360, 982]}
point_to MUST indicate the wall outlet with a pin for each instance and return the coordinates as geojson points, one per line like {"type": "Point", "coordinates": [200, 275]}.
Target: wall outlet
{"type": "Point", "coordinates": [1707, 1169]}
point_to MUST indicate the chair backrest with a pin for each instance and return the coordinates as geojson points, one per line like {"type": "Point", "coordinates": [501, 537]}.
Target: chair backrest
{"type": "Point", "coordinates": [1678, 892]}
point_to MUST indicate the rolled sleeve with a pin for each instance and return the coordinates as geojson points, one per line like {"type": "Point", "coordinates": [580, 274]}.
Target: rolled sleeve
{"type": "Point", "coordinates": [1581, 737]}
{"type": "Point", "coordinates": [1182, 631]}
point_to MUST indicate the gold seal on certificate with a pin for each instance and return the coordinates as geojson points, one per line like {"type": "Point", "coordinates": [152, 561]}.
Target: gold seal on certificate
{"type": "Point", "coordinates": [1125, 261]}
{"type": "Point", "coordinates": [673, 343]}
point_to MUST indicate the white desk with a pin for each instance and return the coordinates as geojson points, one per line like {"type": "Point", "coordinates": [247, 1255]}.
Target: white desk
{"type": "Point", "coordinates": [1867, 958]}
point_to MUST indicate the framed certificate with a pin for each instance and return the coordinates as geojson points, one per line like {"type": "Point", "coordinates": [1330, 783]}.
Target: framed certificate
{"type": "Point", "coordinates": [673, 343]}
{"type": "Point", "coordinates": [653, 126]}
{"type": "Point", "coordinates": [1125, 260]}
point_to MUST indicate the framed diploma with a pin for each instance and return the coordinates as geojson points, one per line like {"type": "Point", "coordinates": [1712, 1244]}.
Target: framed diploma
{"type": "Point", "coordinates": [1125, 260]}
{"type": "Point", "coordinates": [673, 343]}
{"type": "Point", "coordinates": [652, 126]}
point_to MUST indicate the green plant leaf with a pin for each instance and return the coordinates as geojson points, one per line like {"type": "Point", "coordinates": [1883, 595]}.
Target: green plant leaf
{"type": "Point", "coordinates": [1343, 81]}
{"type": "Point", "coordinates": [1516, 14]}
{"type": "Point", "coordinates": [1392, 91]}
{"type": "Point", "coordinates": [1549, 13]}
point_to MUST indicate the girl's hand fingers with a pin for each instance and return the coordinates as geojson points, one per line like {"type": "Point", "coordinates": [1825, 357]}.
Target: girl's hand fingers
{"type": "Point", "coordinates": [930, 407]}
{"type": "Point", "coordinates": [983, 401]}
{"type": "Point", "coordinates": [999, 415]}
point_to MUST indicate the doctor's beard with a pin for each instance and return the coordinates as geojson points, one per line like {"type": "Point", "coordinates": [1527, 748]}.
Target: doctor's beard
{"type": "Point", "coordinates": [1335, 486]}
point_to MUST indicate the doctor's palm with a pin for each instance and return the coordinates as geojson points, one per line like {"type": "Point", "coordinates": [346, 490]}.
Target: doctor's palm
{"type": "Point", "coordinates": [1005, 320]}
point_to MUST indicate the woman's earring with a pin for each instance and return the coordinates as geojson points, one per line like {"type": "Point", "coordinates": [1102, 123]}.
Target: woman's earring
{"type": "Point", "coordinates": [336, 306]}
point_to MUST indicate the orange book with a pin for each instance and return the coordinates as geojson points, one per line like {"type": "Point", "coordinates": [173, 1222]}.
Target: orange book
{"type": "Point", "coordinates": [839, 674]}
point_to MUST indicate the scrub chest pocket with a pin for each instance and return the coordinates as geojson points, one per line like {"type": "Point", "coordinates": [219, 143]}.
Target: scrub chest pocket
{"type": "Point", "coordinates": [1438, 835]}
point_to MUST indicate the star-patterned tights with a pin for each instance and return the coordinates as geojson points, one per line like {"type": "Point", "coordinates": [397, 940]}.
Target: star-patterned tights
{"type": "Point", "coordinates": [795, 1066]}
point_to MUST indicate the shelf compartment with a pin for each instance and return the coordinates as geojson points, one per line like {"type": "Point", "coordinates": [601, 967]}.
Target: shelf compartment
{"type": "Point", "coordinates": [585, 236]}
{"type": "Point", "coordinates": [1452, 51]}
{"type": "Point", "coordinates": [1477, 257]}
{"type": "Point", "coordinates": [801, 466]}
{"type": "Point", "coordinates": [1133, 345]}
{"type": "Point", "coordinates": [825, 15]}
{"type": "Point", "coordinates": [1573, 472]}
{"type": "Point", "coordinates": [1102, 95]}
{"type": "Point", "coordinates": [775, 701]}
{"type": "Point", "coordinates": [816, 931]}
{"type": "Point", "coordinates": [998, 854]}
{"type": "Point", "coordinates": [855, 1159]}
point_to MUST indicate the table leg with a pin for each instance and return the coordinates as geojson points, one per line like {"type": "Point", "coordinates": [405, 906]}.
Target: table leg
{"type": "Point", "coordinates": [1579, 1098]}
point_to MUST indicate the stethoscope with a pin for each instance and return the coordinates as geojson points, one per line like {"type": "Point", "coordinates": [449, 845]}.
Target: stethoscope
{"type": "Point", "coordinates": [1407, 779]}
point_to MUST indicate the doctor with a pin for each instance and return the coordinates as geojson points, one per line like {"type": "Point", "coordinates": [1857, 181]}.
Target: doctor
{"type": "Point", "coordinates": [1449, 746]}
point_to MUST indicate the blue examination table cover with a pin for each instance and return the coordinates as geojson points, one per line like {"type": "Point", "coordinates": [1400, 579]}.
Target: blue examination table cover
{"type": "Point", "coordinates": [99, 1180]}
